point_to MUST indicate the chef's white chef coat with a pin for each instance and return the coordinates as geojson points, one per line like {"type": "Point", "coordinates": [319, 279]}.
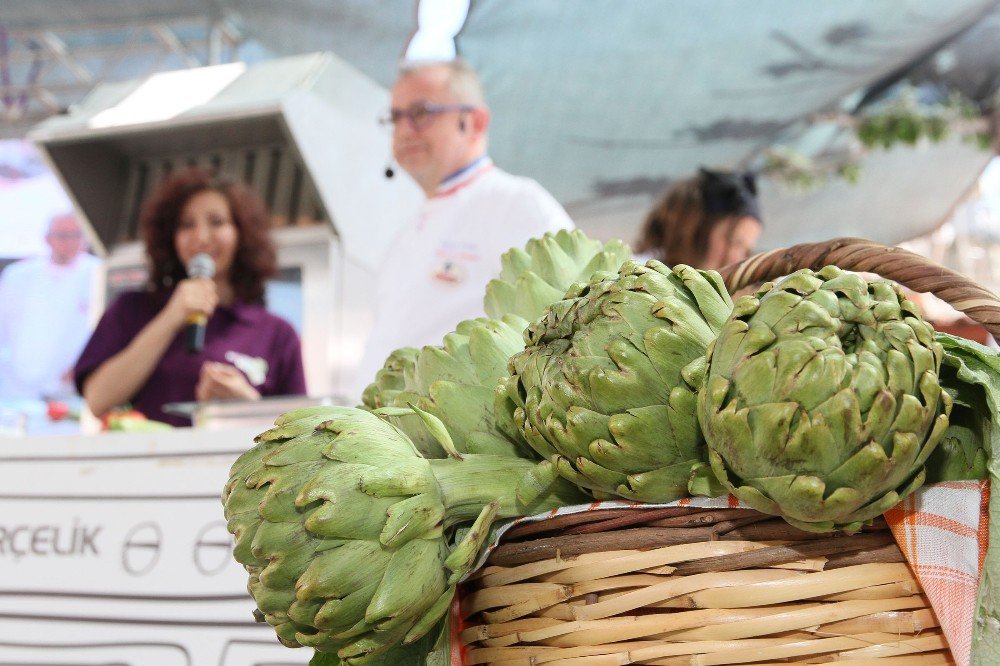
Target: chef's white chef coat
{"type": "Point", "coordinates": [436, 270]}
{"type": "Point", "coordinates": [44, 311]}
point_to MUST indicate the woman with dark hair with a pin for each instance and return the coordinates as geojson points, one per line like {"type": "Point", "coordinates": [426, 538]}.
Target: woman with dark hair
{"type": "Point", "coordinates": [138, 355]}
{"type": "Point", "coordinates": [707, 221]}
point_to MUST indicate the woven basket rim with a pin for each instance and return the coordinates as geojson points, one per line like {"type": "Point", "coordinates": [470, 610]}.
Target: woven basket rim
{"type": "Point", "coordinates": [907, 268]}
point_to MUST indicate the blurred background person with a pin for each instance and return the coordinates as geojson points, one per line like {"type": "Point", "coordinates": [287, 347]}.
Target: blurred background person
{"type": "Point", "coordinates": [138, 354]}
{"type": "Point", "coordinates": [707, 221]}
{"type": "Point", "coordinates": [436, 270]}
{"type": "Point", "coordinates": [44, 308]}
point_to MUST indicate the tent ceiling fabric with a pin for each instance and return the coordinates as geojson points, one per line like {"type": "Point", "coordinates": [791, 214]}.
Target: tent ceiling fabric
{"type": "Point", "coordinates": [372, 36]}
{"type": "Point", "coordinates": [48, 14]}
{"type": "Point", "coordinates": [604, 102]}
{"type": "Point", "coordinates": [52, 52]}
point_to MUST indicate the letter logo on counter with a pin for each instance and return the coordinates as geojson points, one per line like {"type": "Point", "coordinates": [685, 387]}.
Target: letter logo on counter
{"type": "Point", "coordinates": [114, 550]}
{"type": "Point", "coordinates": [25, 540]}
{"type": "Point", "coordinates": [212, 548]}
{"type": "Point", "coordinates": [141, 549]}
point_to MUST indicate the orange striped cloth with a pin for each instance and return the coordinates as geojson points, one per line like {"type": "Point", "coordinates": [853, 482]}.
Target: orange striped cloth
{"type": "Point", "coordinates": [943, 530]}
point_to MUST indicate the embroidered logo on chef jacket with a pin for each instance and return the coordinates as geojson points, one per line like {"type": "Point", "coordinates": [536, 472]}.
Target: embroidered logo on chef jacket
{"type": "Point", "coordinates": [254, 367]}
{"type": "Point", "coordinates": [449, 272]}
{"type": "Point", "coordinates": [453, 261]}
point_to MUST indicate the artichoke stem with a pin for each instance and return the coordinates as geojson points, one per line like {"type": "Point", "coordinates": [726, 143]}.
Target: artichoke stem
{"type": "Point", "coordinates": [469, 484]}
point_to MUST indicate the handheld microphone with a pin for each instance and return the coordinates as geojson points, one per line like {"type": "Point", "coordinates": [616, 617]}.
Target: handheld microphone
{"type": "Point", "coordinates": [200, 266]}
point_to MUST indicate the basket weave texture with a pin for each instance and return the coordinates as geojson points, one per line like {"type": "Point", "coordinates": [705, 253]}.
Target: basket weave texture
{"type": "Point", "coordinates": [716, 586]}
{"type": "Point", "coordinates": [695, 586]}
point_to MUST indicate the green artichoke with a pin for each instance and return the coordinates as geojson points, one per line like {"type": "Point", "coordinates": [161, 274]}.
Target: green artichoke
{"type": "Point", "coordinates": [962, 453]}
{"type": "Point", "coordinates": [457, 381]}
{"type": "Point", "coordinates": [606, 388]}
{"type": "Point", "coordinates": [389, 380]}
{"type": "Point", "coordinates": [346, 531]}
{"type": "Point", "coordinates": [822, 400]}
{"type": "Point", "coordinates": [539, 275]}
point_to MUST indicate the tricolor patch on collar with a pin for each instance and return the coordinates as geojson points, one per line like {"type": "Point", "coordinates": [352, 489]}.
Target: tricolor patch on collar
{"type": "Point", "coordinates": [464, 177]}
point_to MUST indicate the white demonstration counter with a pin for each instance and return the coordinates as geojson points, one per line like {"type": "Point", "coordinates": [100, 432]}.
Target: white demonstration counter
{"type": "Point", "coordinates": [113, 549]}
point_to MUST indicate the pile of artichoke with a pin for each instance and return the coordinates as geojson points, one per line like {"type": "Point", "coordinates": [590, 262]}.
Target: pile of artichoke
{"type": "Point", "coordinates": [820, 398]}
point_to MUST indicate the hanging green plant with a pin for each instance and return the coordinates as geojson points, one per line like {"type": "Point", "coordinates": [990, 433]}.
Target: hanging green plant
{"type": "Point", "coordinates": [905, 120]}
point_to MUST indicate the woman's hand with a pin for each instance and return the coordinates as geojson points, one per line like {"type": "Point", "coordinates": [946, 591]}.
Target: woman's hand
{"type": "Point", "coordinates": [220, 381]}
{"type": "Point", "coordinates": [118, 379]}
{"type": "Point", "coordinates": [191, 297]}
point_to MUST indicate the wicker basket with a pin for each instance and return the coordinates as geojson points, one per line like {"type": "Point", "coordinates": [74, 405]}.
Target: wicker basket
{"type": "Point", "coordinates": [685, 585]}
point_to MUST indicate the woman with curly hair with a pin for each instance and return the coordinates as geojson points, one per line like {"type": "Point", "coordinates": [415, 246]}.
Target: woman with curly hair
{"type": "Point", "coordinates": [707, 221]}
{"type": "Point", "coordinates": [137, 353]}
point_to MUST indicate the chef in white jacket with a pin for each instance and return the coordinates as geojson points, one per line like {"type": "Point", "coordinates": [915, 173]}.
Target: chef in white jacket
{"type": "Point", "coordinates": [44, 313]}
{"type": "Point", "coordinates": [437, 268]}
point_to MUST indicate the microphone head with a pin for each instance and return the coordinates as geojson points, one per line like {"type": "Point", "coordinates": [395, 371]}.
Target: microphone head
{"type": "Point", "coordinates": [389, 172]}
{"type": "Point", "coordinates": [201, 266]}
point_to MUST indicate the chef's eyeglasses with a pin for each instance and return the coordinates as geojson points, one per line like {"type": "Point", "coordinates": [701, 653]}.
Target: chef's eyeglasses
{"type": "Point", "coordinates": [421, 114]}
{"type": "Point", "coordinates": [65, 235]}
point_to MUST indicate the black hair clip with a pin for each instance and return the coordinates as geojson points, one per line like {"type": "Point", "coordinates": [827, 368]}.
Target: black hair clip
{"type": "Point", "coordinates": [729, 193]}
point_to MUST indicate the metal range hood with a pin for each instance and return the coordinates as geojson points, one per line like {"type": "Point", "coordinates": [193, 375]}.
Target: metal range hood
{"type": "Point", "coordinates": [301, 130]}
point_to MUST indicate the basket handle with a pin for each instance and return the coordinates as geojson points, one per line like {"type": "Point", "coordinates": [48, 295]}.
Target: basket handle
{"type": "Point", "coordinates": [857, 254]}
